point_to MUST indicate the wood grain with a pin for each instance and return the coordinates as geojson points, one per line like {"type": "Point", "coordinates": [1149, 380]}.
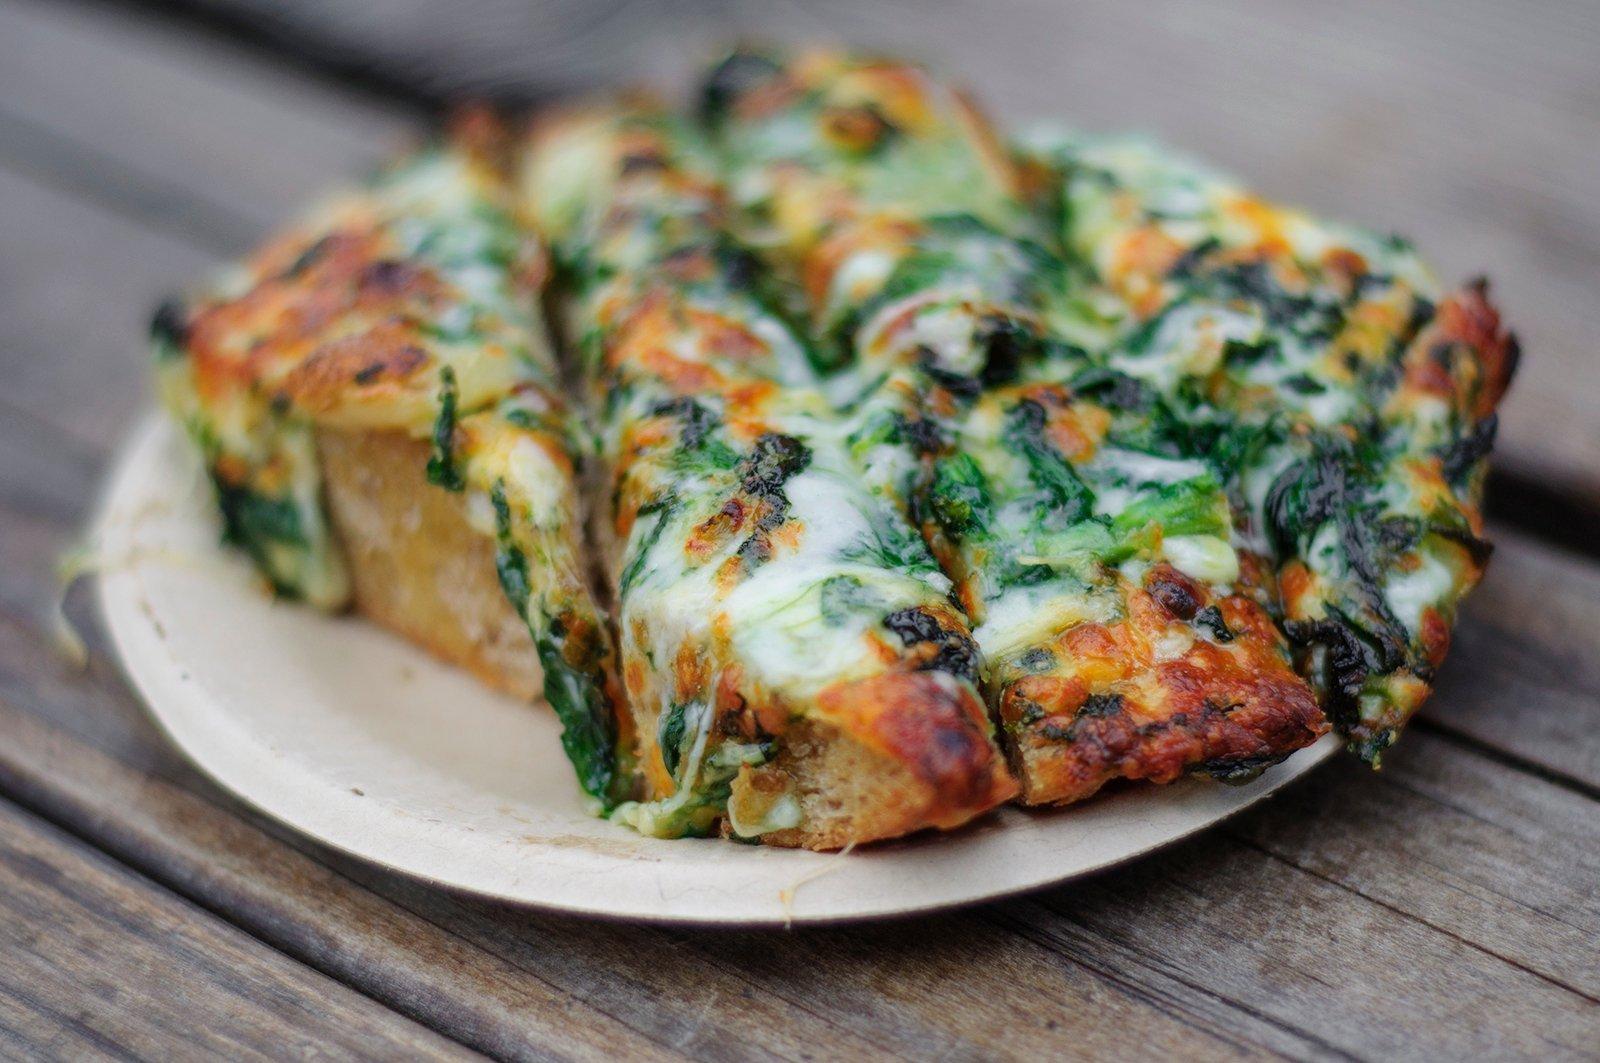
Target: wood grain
{"type": "Point", "coordinates": [100, 963]}
{"type": "Point", "coordinates": [1454, 840]}
{"type": "Point", "coordinates": [1445, 907]}
{"type": "Point", "coordinates": [1523, 677]}
{"type": "Point", "coordinates": [214, 144]}
{"type": "Point", "coordinates": [77, 312]}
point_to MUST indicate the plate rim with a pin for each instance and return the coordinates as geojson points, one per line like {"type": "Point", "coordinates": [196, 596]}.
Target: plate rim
{"type": "Point", "coordinates": [118, 596]}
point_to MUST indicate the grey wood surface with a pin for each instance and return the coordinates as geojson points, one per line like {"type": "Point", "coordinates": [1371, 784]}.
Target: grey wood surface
{"type": "Point", "coordinates": [1447, 907]}
{"type": "Point", "coordinates": [101, 964]}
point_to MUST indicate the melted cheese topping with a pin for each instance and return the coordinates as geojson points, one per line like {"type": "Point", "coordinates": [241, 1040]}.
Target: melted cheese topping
{"type": "Point", "coordinates": [1347, 395]}
{"type": "Point", "coordinates": [410, 305]}
{"type": "Point", "coordinates": [760, 575]}
{"type": "Point", "coordinates": [878, 423]}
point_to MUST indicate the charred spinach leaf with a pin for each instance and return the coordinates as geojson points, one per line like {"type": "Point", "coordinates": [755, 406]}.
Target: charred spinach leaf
{"type": "Point", "coordinates": [1462, 455]}
{"type": "Point", "coordinates": [1066, 499]}
{"type": "Point", "coordinates": [699, 451]}
{"type": "Point", "coordinates": [442, 468]}
{"type": "Point", "coordinates": [1210, 618]}
{"type": "Point", "coordinates": [1237, 771]}
{"type": "Point", "coordinates": [573, 670]}
{"type": "Point", "coordinates": [1336, 484]}
{"type": "Point", "coordinates": [763, 473]}
{"type": "Point", "coordinates": [956, 652]}
{"type": "Point", "coordinates": [958, 497]}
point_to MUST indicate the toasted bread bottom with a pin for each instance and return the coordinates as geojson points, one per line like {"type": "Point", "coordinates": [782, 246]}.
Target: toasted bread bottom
{"type": "Point", "coordinates": [416, 565]}
{"type": "Point", "coordinates": [851, 795]}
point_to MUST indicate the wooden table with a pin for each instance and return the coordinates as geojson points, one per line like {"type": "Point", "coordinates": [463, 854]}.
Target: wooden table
{"type": "Point", "coordinates": [1449, 906]}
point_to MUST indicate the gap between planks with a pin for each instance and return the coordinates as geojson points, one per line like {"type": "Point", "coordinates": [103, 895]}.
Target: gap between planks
{"type": "Point", "coordinates": [1440, 725]}
{"type": "Point", "coordinates": [113, 962]}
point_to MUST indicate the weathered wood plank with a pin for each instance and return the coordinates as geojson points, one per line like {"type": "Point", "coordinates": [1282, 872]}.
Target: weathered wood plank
{"type": "Point", "coordinates": [1457, 841]}
{"type": "Point", "coordinates": [211, 142]}
{"type": "Point", "coordinates": [1524, 673]}
{"type": "Point", "coordinates": [1470, 126]}
{"type": "Point", "coordinates": [1216, 921]}
{"type": "Point", "coordinates": [1307, 914]}
{"type": "Point", "coordinates": [77, 286]}
{"type": "Point", "coordinates": [209, 852]}
{"type": "Point", "coordinates": [947, 986]}
{"type": "Point", "coordinates": [100, 963]}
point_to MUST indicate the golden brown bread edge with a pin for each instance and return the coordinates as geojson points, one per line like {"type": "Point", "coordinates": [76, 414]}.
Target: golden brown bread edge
{"type": "Point", "coordinates": [850, 792]}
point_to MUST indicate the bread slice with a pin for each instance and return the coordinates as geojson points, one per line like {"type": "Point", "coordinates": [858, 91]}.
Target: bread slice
{"type": "Point", "coordinates": [795, 672]}
{"type": "Point", "coordinates": [387, 430]}
{"type": "Point", "coordinates": [417, 565]}
{"type": "Point", "coordinates": [389, 342]}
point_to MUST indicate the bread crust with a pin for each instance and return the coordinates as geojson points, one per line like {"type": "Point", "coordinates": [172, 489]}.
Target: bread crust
{"type": "Point", "coordinates": [1130, 701]}
{"type": "Point", "coordinates": [417, 565]}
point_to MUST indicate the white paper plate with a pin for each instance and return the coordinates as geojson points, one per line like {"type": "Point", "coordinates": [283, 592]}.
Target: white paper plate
{"type": "Point", "coordinates": [350, 735]}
